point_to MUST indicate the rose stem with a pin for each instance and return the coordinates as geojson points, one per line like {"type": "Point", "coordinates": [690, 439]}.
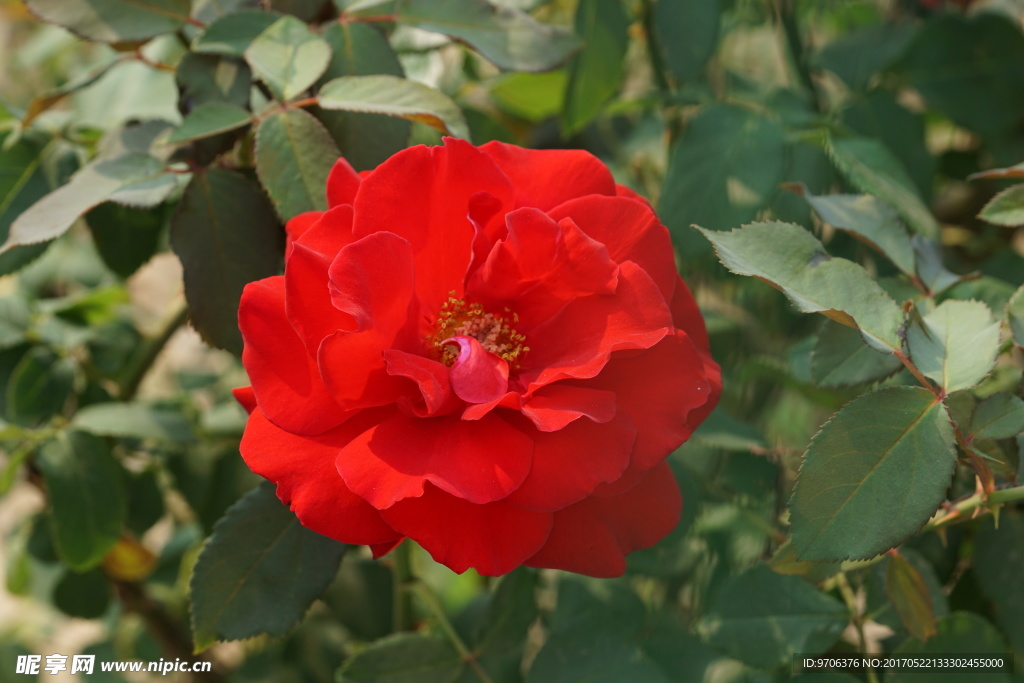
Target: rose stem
{"type": "Point", "coordinates": [428, 598]}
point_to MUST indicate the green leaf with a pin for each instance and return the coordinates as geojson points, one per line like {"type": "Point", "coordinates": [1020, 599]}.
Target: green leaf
{"type": "Point", "coordinates": [931, 271]}
{"type": "Point", "coordinates": [533, 97]}
{"type": "Point", "coordinates": [596, 71]}
{"type": "Point", "coordinates": [791, 259]}
{"type": "Point", "coordinates": [288, 57]}
{"type": "Point", "coordinates": [909, 594]}
{"type": "Point", "coordinates": [498, 645]}
{"type": "Point", "coordinates": [365, 140]}
{"type": "Point", "coordinates": [85, 487]}
{"type": "Point", "coordinates": [84, 595]}
{"type": "Point", "coordinates": [509, 38]}
{"type": "Point", "coordinates": [211, 118]}
{"type": "Point", "coordinates": [294, 156]}
{"type": "Point", "coordinates": [879, 115]}
{"type": "Point", "coordinates": [15, 318]}
{"type": "Point", "coordinates": [687, 33]}
{"type": "Point", "coordinates": [870, 220]}
{"type": "Point", "coordinates": [956, 344]}
{"type": "Point", "coordinates": [52, 215]}
{"type": "Point", "coordinates": [362, 598]}
{"type": "Point", "coordinates": [595, 635]}
{"type": "Point", "coordinates": [39, 387]}
{"type": "Point", "coordinates": [873, 475]}
{"type": "Point", "coordinates": [1015, 315]}
{"type": "Point", "coordinates": [211, 78]}
{"type": "Point", "coordinates": [763, 618]}
{"type": "Point", "coordinates": [134, 420]}
{"type": "Point", "coordinates": [233, 33]}
{"type": "Point", "coordinates": [1006, 208]}
{"type": "Point", "coordinates": [872, 168]}
{"type": "Point", "coordinates": [857, 56]}
{"type": "Point", "coordinates": [998, 553]}
{"type": "Point", "coordinates": [961, 633]}
{"type": "Point", "coordinates": [226, 235]}
{"type": "Point", "coordinates": [259, 572]}
{"type": "Point", "coordinates": [841, 359]}
{"type": "Point", "coordinates": [114, 21]}
{"type": "Point", "coordinates": [23, 182]}
{"type": "Point", "coordinates": [41, 103]}
{"type": "Point", "coordinates": [403, 658]}
{"type": "Point", "coordinates": [126, 237]}
{"type": "Point", "coordinates": [723, 169]}
{"type": "Point", "coordinates": [1000, 416]}
{"type": "Point", "coordinates": [966, 68]}
{"type": "Point", "coordinates": [395, 96]}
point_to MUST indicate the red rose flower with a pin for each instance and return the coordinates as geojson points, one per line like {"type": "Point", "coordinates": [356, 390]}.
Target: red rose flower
{"type": "Point", "coordinates": [487, 350]}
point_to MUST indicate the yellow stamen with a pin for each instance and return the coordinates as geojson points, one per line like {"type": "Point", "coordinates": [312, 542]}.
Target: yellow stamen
{"type": "Point", "coordinates": [495, 333]}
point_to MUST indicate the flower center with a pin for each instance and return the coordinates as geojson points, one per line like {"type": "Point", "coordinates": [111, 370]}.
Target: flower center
{"type": "Point", "coordinates": [494, 332]}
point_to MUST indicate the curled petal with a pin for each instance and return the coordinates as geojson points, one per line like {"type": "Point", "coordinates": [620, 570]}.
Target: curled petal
{"type": "Point", "coordinates": [593, 536]}
{"type": "Point", "coordinates": [285, 379]}
{"type": "Point", "coordinates": [431, 379]}
{"type": "Point", "coordinates": [479, 461]}
{"type": "Point", "coordinates": [494, 538]}
{"type": "Point", "coordinates": [307, 480]}
{"type": "Point", "coordinates": [477, 375]}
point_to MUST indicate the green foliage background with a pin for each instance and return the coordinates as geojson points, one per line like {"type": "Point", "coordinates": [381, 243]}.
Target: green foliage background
{"type": "Point", "coordinates": [856, 490]}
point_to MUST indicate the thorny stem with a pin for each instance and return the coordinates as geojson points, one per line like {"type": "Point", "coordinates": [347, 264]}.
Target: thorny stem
{"type": "Point", "coordinates": [147, 353]}
{"type": "Point", "coordinates": [965, 508]}
{"type": "Point", "coordinates": [856, 617]}
{"type": "Point", "coordinates": [431, 602]}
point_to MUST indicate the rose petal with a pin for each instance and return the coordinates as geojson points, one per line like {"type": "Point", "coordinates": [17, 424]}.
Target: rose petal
{"type": "Point", "coordinates": [308, 298]}
{"type": "Point", "coordinates": [579, 340]}
{"type": "Point", "coordinates": [659, 388]}
{"type": "Point", "coordinates": [569, 464]}
{"type": "Point", "coordinates": [246, 397]}
{"type": "Point", "coordinates": [303, 469]}
{"type": "Point", "coordinates": [331, 231]}
{"type": "Point", "coordinates": [553, 407]}
{"type": "Point", "coordinates": [423, 195]}
{"type": "Point", "coordinates": [342, 184]}
{"type": "Point", "coordinates": [630, 231]}
{"type": "Point", "coordinates": [431, 380]}
{"type": "Point", "coordinates": [494, 538]}
{"type": "Point", "coordinates": [479, 461]}
{"type": "Point", "coordinates": [297, 227]}
{"type": "Point", "coordinates": [371, 283]}
{"type": "Point", "coordinates": [477, 375]}
{"type": "Point", "coordinates": [284, 378]}
{"type": "Point", "coordinates": [539, 266]}
{"type": "Point", "coordinates": [545, 178]}
{"type": "Point", "coordinates": [593, 536]}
